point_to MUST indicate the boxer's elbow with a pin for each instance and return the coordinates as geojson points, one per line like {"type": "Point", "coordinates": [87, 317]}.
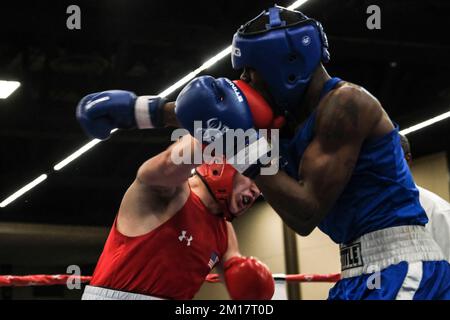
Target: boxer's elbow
{"type": "Point", "coordinates": [304, 229]}
{"type": "Point", "coordinates": [301, 221]}
{"type": "Point", "coordinates": [304, 218]}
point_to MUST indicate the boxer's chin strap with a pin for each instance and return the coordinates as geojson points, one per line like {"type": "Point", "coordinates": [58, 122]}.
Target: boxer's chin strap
{"type": "Point", "coordinates": [226, 213]}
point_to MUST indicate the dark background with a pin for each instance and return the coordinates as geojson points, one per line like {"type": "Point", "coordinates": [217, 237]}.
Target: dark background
{"type": "Point", "coordinates": [144, 46]}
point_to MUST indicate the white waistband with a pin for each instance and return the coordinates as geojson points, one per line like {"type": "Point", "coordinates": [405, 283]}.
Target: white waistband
{"type": "Point", "coordinates": [98, 293]}
{"type": "Point", "coordinates": [377, 250]}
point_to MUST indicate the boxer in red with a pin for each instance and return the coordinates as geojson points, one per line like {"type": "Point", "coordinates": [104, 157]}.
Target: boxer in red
{"type": "Point", "coordinates": [172, 229]}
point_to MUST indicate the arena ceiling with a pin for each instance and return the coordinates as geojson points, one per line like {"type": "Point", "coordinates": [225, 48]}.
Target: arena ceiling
{"type": "Point", "coordinates": [144, 46]}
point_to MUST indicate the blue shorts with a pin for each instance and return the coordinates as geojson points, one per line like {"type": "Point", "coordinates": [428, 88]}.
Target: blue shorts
{"type": "Point", "coordinates": [427, 280]}
{"type": "Point", "coordinates": [399, 263]}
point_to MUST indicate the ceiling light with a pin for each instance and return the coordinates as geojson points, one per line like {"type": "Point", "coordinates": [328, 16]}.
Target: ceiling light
{"type": "Point", "coordinates": [23, 190]}
{"type": "Point", "coordinates": [7, 88]}
{"type": "Point", "coordinates": [426, 123]}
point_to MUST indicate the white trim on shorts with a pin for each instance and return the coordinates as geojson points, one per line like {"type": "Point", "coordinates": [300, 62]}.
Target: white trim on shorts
{"type": "Point", "coordinates": [98, 293]}
{"type": "Point", "coordinates": [411, 282]}
{"type": "Point", "coordinates": [379, 249]}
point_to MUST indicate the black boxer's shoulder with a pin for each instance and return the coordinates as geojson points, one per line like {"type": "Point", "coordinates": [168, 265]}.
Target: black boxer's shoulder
{"type": "Point", "coordinates": [348, 112]}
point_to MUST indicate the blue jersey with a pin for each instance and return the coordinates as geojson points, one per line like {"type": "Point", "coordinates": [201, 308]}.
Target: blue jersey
{"type": "Point", "coordinates": [381, 192]}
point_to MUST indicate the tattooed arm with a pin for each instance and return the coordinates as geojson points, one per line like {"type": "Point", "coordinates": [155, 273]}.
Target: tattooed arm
{"type": "Point", "coordinates": [344, 119]}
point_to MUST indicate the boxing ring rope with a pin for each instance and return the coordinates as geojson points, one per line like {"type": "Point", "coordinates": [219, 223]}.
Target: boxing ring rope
{"type": "Point", "coordinates": [40, 280]}
{"type": "Point", "coordinates": [63, 279]}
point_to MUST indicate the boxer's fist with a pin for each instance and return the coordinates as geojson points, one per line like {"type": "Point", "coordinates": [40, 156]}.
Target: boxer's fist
{"type": "Point", "coordinates": [101, 112]}
{"type": "Point", "coordinates": [248, 279]}
{"type": "Point", "coordinates": [220, 106]}
{"type": "Point", "coordinates": [217, 103]}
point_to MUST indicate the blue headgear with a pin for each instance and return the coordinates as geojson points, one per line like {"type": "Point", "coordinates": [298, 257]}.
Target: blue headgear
{"type": "Point", "coordinates": [285, 55]}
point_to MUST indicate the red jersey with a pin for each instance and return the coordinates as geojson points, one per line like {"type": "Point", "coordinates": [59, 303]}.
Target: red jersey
{"type": "Point", "coordinates": [171, 261]}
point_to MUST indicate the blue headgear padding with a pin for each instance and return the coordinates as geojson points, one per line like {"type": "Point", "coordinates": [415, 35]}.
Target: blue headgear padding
{"type": "Point", "coordinates": [285, 55]}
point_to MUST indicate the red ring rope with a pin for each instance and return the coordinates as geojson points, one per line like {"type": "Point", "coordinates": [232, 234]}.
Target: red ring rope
{"type": "Point", "coordinates": [62, 279]}
{"type": "Point", "coordinates": [40, 280]}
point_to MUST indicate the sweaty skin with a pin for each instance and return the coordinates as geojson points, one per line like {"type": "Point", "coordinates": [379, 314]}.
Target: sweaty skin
{"type": "Point", "coordinates": [346, 117]}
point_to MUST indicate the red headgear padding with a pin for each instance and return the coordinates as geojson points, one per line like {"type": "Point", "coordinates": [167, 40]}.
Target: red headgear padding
{"type": "Point", "coordinates": [219, 180]}
{"type": "Point", "coordinates": [262, 113]}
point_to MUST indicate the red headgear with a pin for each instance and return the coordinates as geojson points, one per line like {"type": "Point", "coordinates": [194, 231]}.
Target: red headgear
{"type": "Point", "coordinates": [218, 178]}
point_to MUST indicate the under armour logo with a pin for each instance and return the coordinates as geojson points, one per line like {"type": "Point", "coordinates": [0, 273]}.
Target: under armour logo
{"type": "Point", "coordinates": [183, 237]}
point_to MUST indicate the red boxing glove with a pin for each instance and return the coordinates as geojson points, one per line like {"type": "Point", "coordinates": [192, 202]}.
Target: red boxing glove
{"type": "Point", "coordinates": [248, 279]}
{"type": "Point", "coordinates": [262, 113]}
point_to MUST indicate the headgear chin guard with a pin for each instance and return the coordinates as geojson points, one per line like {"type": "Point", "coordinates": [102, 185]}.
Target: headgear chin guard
{"type": "Point", "coordinates": [218, 178]}
{"type": "Point", "coordinates": [284, 52]}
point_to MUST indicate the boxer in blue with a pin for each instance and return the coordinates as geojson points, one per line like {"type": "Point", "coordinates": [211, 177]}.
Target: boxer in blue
{"type": "Point", "coordinates": [343, 170]}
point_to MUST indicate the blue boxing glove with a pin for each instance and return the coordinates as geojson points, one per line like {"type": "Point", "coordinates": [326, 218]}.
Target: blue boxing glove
{"type": "Point", "coordinates": [221, 105]}
{"type": "Point", "coordinates": [99, 113]}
